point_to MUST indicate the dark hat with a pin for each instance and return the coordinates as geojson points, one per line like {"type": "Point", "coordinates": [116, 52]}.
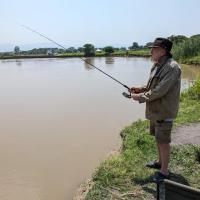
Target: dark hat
{"type": "Point", "coordinates": [163, 43]}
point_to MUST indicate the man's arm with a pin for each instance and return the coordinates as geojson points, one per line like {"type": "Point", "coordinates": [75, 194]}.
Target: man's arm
{"type": "Point", "coordinates": [162, 88]}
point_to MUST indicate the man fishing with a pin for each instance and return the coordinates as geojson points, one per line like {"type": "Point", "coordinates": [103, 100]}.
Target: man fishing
{"type": "Point", "coordinates": [161, 95]}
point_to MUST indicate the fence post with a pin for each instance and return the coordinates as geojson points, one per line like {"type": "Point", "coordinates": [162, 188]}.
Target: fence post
{"type": "Point", "coordinates": [170, 190]}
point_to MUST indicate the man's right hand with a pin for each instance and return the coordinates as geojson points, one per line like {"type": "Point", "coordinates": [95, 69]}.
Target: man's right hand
{"type": "Point", "coordinates": [135, 90]}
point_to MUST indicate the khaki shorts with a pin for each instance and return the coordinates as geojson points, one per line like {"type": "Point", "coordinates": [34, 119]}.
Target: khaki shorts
{"type": "Point", "coordinates": [161, 130]}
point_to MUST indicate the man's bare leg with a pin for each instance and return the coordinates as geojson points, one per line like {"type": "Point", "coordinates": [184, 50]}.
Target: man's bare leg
{"type": "Point", "coordinates": [159, 154]}
{"type": "Point", "coordinates": [165, 156]}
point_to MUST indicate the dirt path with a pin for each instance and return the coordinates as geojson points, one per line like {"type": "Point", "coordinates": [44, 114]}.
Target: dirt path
{"type": "Point", "coordinates": [186, 134]}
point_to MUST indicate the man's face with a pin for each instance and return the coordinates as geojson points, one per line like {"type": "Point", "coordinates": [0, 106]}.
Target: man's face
{"type": "Point", "coordinates": [157, 53]}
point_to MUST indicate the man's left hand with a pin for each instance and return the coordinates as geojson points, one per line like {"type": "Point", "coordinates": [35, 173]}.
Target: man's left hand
{"type": "Point", "coordinates": [135, 97]}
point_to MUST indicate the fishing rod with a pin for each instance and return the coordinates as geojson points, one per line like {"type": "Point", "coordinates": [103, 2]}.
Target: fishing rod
{"type": "Point", "coordinates": [42, 35]}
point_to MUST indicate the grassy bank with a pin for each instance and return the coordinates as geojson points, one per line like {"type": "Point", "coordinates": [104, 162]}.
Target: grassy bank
{"type": "Point", "coordinates": [68, 55]}
{"type": "Point", "coordinates": [123, 176]}
{"type": "Point", "coordinates": [138, 53]}
{"type": "Point", "coordinates": [191, 61]}
{"type": "Point", "coordinates": [195, 60]}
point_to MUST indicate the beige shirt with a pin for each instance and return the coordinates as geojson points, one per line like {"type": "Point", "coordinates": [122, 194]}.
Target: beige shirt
{"type": "Point", "coordinates": [163, 90]}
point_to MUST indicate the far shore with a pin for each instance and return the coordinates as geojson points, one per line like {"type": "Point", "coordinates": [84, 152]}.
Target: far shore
{"type": "Point", "coordinates": [64, 56]}
{"type": "Point", "coordinates": [16, 57]}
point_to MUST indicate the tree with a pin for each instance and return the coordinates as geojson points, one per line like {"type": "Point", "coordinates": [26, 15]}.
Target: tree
{"type": "Point", "coordinates": [108, 50]}
{"type": "Point", "coordinates": [134, 46]}
{"type": "Point", "coordinates": [177, 39]}
{"type": "Point", "coordinates": [16, 50]}
{"type": "Point", "coordinates": [195, 36]}
{"type": "Point", "coordinates": [89, 50]}
{"type": "Point", "coordinates": [188, 48]}
{"type": "Point", "coordinates": [71, 50]}
{"type": "Point", "coordinates": [80, 49]}
{"type": "Point", "coordinates": [122, 49]}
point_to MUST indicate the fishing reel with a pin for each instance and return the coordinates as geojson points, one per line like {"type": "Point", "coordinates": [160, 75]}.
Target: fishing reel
{"type": "Point", "coordinates": [126, 95]}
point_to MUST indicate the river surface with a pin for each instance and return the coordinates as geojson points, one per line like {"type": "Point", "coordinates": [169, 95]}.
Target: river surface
{"type": "Point", "coordinates": [59, 118]}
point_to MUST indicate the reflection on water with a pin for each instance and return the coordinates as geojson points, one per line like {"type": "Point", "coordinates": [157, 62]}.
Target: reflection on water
{"type": "Point", "coordinates": [87, 65]}
{"type": "Point", "coordinates": [59, 120]}
{"type": "Point", "coordinates": [109, 60]}
{"type": "Point", "coordinates": [18, 62]}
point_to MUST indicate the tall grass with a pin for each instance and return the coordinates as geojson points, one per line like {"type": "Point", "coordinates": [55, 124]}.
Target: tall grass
{"type": "Point", "coordinates": [188, 51]}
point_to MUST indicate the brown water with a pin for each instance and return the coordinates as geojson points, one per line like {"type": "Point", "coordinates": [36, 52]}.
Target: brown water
{"type": "Point", "coordinates": [59, 118]}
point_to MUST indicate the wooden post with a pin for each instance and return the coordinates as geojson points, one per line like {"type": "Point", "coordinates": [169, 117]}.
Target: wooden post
{"type": "Point", "coordinates": [170, 190]}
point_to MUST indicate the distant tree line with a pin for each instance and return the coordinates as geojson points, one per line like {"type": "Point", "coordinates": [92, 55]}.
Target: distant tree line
{"type": "Point", "coordinates": [184, 47]}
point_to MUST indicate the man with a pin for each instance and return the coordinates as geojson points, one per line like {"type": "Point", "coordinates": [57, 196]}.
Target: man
{"type": "Point", "coordinates": [161, 95]}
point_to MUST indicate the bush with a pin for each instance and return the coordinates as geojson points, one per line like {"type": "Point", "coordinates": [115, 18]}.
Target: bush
{"type": "Point", "coordinates": [187, 48]}
{"type": "Point", "coordinates": [193, 92]}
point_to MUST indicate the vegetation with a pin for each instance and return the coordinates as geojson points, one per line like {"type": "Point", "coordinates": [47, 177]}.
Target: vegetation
{"type": "Point", "coordinates": [89, 50]}
{"type": "Point", "coordinates": [108, 50]}
{"type": "Point", "coordinates": [16, 50]}
{"type": "Point", "coordinates": [123, 176]}
{"type": "Point", "coordinates": [142, 52]}
{"type": "Point", "coordinates": [135, 46]}
{"type": "Point", "coordinates": [43, 51]}
{"type": "Point", "coordinates": [185, 50]}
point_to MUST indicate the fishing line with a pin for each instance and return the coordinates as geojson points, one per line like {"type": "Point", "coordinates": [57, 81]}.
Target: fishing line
{"type": "Point", "coordinates": [42, 35]}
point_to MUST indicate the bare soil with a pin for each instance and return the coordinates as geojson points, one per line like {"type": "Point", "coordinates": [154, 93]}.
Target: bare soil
{"type": "Point", "coordinates": [186, 134]}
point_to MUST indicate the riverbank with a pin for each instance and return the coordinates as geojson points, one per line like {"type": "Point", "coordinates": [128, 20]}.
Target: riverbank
{"type": "Point", "coordinates": [138, 53]}
{"type": "Point", "coordinates": [191, 61]}
{"type": "Point", "coordinates": [124, 176]}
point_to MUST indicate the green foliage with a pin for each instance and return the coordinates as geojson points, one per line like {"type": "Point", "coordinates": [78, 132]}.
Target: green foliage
{"type": "Point", "coordinates": [186, 49]}
{"type": "Point", "coordinates": [134, 46]}
{"type": "Point", "coordinates": [108, 50]}
{"type": "Point", "coordinates": [193, 92]}
{"type": "Point", "coordinates": [80, 49]}
{"type": "Point", "coordinates": [191, 61]}
{"type": "Point", "coordinates": [89, 50]}
{"type": "Point", "coordinates": [71, 50]}
{"type": "Point", "coordinates": [43, 51]}
{"type": "Point", "coordinates": [177, 39]}
{"type": "Point", "coordinates": [141, 52]}
{"type": "Point", "coordinates": [16, 50]}
{"type": "Point", "coordinates": [195, 36]}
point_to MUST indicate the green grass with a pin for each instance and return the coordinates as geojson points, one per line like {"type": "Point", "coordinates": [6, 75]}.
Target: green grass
{"type": "Point", "coordinates": [124, 175]}
{"type": "Point", "coordinates": [191, 60]}
{"type": "Point", "coordinates": [142, 52]}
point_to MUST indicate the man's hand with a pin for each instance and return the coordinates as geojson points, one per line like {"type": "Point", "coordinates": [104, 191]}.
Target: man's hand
{"type": "Point", "coordinates": [135, 97]}
{"type": "Point", "coordinates": [135, 90]}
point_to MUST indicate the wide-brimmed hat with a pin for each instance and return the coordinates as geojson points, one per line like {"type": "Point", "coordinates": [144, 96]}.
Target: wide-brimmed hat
{"type": "Point", "coordinates": [163, 43]}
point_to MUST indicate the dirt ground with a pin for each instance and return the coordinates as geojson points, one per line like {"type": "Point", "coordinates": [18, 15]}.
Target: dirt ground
{"type": "Point", "coordinates": [187, 134]}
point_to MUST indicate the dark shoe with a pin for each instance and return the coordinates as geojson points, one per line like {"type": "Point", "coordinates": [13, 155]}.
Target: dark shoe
{"type": "Point", "coordinates": [159, 177]}
{"type": "Point", "coordinates": [154, 165]}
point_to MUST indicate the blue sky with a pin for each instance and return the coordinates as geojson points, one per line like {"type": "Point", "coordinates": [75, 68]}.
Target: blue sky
{"type": "Point", "coordinates": [100, 22]}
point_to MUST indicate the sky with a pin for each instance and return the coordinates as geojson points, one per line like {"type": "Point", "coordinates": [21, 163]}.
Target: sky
{"type": "Point", "coordinates": [100, 22]}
